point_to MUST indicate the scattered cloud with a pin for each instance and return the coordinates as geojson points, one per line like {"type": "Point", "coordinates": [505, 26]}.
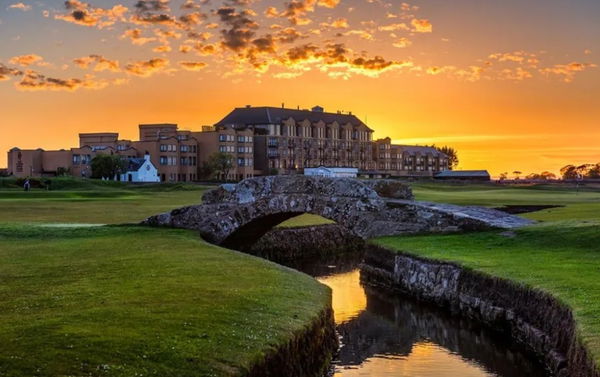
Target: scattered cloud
{"type": "Point", "coordinates": [27, 60]}
{"type": "Point", "coordinates": [192, 66]}
{"type": "Point", "coordinates": [20, 6]}
{"type": "Point", "coordinates": [567, 71]}
{"type": "Point", "coordinates": [421, 25]}
{"type": "Point", "coordinates": [84, 14]}
{"type": "Point", "coordinates": [35, 81]}
{"type": "Point", "coordinates": [147, 68]}
{"type": "Point", "coordinates": [99, 62]}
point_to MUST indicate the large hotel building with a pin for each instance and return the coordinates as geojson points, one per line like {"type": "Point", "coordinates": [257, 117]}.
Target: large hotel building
{"type": "Point", "coordinates": [262, 141]}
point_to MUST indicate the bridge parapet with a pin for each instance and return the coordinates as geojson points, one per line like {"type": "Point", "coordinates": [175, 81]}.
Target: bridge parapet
{"type": "Point", "coordinates": [238, 215]}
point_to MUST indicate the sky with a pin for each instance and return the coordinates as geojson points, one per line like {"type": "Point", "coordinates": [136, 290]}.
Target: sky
{"type": "Point", "coordinates": [511, 84]}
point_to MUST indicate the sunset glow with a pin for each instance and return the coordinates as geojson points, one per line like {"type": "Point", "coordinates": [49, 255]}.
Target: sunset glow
{"type": "Point", "coordinates": [512, 85]}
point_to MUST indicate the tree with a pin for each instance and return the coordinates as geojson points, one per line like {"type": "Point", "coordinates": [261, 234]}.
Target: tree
{"type": "Point", "coordinates": [452, 155]}
{"type": "Point", "coordinates": [568, 172]}
{"type": "Point", "coordinates": [220, 164]}
{"type": "Point", "coordinates": [547, 175]}
{"type": "Point", "coordinates": [517, 174]}
{"type": "Point", "coordinates": [594, 171]}
{"type": "Point", "coordinates": [107, 166]}
{"type": "Point", "coordinates": [503, 176]}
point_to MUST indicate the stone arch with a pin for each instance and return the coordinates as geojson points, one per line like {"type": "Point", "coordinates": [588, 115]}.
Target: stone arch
{"type": "Point", "coordinates": [238, 214]}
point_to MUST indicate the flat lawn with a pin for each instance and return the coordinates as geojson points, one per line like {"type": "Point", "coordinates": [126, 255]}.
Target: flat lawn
{"type": "Point", "coordinates": [94, 206]}
{"type": "Point", "coordinates": [578, 204]}
{"type": "Point", "coordinates": [560, 254]}
{"type": "Point", "coordinates": [133, 301]}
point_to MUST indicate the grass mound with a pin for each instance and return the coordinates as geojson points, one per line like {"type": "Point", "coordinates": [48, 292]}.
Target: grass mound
{"type": "Point", "coordinates": [128, 300]}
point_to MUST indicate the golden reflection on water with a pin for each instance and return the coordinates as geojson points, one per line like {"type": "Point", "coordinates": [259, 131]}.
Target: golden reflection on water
{"type": "Point", "coordinates": [348, 297]}
{"type": "Point", "coordinates": [426, 359]}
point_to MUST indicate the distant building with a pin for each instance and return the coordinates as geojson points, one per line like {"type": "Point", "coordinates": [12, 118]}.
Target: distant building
{"type": "Point", "coordinates": [395, 160]}
{"type": "Point", "coordinates": [140, 170]}
{"type": "Point", "coordinates": [323, 171]}
{"type": "Point", "coordinates": [289, 140]}
{"type": "Point", "coordinates": [465, 175]}
{"type": "Point", "coordinates": [261, 141]}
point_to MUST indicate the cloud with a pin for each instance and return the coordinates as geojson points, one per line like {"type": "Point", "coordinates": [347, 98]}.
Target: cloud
{"type": "Point", "coordinates": [20, 6]}
{"type": "Point", "coordinates": [27, 60]}
{"type": "Point", "coordinates": [100, 63]}
{"type": "Point", "coordinates": [192, 66]}
{"type": "Point", "coordinates": [567, 71]}
{"type": "Point", "coordinates": [7, 72]}
{"type": "Point", "coordinates": [135, 36]}
{"type": "Point", "coordinates": [421, 25]}
{"type": "Point", "coordinates": [84, 14]}
{"type": "Point", "coordinates": [402, 42]}
{"type": "Point", "coordinates": [240, 28]}
{"type": "Point", "coordinates": [394, 27]}
{"type": "Point", "coordinates": [147, 68]}
{"type": "Point", "coordinates": [35, 81]}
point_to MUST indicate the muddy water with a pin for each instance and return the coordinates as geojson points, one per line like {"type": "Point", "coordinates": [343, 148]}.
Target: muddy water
{"type": "Point", "coordinates": [384, 335]}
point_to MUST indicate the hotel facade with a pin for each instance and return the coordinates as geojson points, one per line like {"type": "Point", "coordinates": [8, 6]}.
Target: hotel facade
{"type": "Point", "coordinates": [261, 141]}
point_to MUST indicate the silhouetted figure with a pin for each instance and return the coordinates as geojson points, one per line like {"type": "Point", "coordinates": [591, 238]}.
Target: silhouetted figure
{"type": "Point", "coordinates": [27, 185]}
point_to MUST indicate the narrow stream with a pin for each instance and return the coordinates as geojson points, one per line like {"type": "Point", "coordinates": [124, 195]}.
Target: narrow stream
{"type": "Point", "coordinates": [384, 335]}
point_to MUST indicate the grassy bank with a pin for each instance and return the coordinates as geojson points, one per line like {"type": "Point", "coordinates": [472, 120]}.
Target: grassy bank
{"type": "Point", "coordinates": [559, 255]}
{"type": "Point", "coordinates": [127, 301]}
{"type": "Point", "coordinates": [94, 202]}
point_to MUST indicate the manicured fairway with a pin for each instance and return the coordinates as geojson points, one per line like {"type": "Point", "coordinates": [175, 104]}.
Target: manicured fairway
{"type": "Point", "coordinates": [136, 301]}
{"type": "Point", "coordinates": [560, 255]}
{"type": "Point", "coordinates": [94, 202]}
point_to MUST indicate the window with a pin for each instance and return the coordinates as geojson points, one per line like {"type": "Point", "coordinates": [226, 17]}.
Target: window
{"type": "Point", "coordinates": [241, 139]}
{"type": "Point", "coordinates": [241, 162]}
{"type": "Point", "coordinates": [121, 147]}
{"type": "Point", "coordinates": [85, 159]}
{"type": "Point", "coordinates": [163, 147]}
{"type": "Point", "coordinates": [163, 160]}
{"type": "Point", "coordinates": [184, 148]}
{"type": "Point", "coordinates": [76, 159]}
{"type": "Point", "coordinates": [222, 137]}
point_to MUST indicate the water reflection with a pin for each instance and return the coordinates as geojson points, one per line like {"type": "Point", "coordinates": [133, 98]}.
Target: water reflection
{"type": "Point", "coordinates": [385, 335]}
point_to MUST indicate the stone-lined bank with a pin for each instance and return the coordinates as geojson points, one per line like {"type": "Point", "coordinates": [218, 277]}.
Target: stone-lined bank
{"type": "Point", "coordinates": [540, 322]}
{"type": "Point", "coordinates": [307, 354]}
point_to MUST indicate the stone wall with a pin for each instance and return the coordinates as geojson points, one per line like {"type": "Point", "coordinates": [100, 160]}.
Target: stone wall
{"type": "Point", "coordinates": [285, 245]}
{"type": "Point", "coordinates": [534, 318]}
{"type": "Point", "coordinates": [307, 354]}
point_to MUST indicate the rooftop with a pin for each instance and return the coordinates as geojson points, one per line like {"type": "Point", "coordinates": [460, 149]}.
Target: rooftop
{"type": "Point", "coordinates": [274, 115]}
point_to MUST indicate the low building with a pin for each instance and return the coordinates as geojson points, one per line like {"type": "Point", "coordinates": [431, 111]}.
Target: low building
{"type": "Point", "coordinates": [332, 172]}
{"type": "Point", "coordinates": [140, 170]}
{"type": "Point", "coordinates": [464, 175]}
{"type": "Point", "coordinates": [394, 160]}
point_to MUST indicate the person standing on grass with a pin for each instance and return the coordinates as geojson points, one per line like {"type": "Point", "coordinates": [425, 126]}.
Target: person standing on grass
{"type": "Point", "coordinates": [27, 185]}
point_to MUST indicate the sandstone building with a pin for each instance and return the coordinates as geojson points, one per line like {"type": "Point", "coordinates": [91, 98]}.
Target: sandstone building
{"type": "Point", "coordinates": [262, 141]}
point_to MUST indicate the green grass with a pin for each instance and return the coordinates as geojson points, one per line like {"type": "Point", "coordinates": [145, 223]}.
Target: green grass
{"type": "Point", "coordinates": [578, 204]}
{"type": "Point", "coordinates": [306, 219]}
{"type": "Point", "coordinates": [559, 255]}
{"type": "Point", "coordinates": [127, 301]}
{"type": "Point", "coordinates": [86, 201]}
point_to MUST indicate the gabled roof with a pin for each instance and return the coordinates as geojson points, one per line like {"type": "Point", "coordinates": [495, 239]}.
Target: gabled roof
{"type": "Point", "coordinates": [244, 116]}
{"type": "Point", "coordinates": [134, 164]}
{"type": "Point", "coordinates": [463, 173]}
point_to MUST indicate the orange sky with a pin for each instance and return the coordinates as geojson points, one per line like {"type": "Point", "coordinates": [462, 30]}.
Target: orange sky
{"type": "Point", "coordinates": [512, 86]}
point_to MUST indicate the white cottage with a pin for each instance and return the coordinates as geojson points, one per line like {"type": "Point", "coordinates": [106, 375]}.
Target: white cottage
{"type": "Point", "coordinates": [323, 171]}
{"type": "Point", "coordinates": [140, 170]}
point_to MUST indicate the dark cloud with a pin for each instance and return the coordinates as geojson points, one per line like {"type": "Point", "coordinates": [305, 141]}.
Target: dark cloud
{"type": "Point", "coordinates": [240, 28]}
{"type": "Point", "coordinates": [8, 72]}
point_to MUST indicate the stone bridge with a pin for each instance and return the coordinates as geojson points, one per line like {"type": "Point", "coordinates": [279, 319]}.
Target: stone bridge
{"type": "Point", "coordinates": [237, 215]}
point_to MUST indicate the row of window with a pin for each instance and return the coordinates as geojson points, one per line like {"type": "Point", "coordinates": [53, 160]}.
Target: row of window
{"type": "Point", "coordinates": [83, 159]}
{"type": "Point", "coordinates": [172, 161]}
{"type": "Point", "coordinates": [182, 148]}
{"type": "Point", "coordinates": [231, 138]}
{"type": "Point", "coordinates": [245, 161]}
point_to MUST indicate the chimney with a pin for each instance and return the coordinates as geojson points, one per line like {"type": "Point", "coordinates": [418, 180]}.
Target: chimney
{"type": "Point", "coordinates": [248, 106]}
{"type": "Point", "coordinates": [282, 105]}
{"type": "Point", "coordinates": [298, 107]}
{"type": "Point", "coordinates": [147, 156]}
